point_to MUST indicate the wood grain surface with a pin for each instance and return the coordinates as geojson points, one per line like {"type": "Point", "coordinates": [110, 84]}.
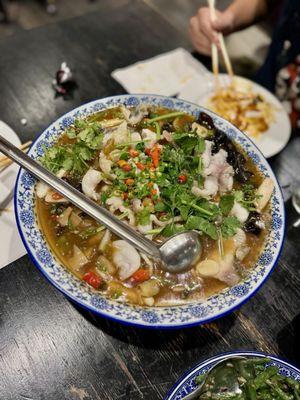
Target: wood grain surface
{"type": "Point", "coordinates": [49, 348]}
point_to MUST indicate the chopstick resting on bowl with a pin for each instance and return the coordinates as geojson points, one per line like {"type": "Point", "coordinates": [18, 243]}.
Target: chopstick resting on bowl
{"type": "Point", "coordinates": [6, 162]}
{"type": "Point", "coordinates": [214, 50]}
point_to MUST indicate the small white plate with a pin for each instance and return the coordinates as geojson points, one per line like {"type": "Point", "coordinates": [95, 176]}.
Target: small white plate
{"type": "Point", "coordinates": [270, 142]}
{"type": "Point", "coordinates": [11, 247]}
{"type": "Point", "coordinates": [9, 174]}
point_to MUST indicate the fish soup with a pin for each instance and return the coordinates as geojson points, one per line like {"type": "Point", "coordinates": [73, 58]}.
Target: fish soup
{"type": "Point", "coordinates": [161, 171]}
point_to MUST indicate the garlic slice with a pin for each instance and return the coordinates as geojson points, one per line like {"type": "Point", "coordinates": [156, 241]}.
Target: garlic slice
{"type": "Point", "coordinates": [207, 268]}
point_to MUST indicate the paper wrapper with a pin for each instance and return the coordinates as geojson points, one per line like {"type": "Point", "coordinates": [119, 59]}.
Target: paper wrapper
{"type": "Point", "coordinates": [166, 74]}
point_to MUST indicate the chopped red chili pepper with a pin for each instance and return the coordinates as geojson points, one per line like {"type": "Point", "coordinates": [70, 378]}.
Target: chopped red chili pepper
{"type": "Point", "coordinates": [141, 275]}
{"type": "Point", "coordinates": [147, 202]}
{"type": "Point", "coordinates": [140, 166]}
{"type": "Point", "coordinates": [182, 178]}
{"type": "Point", "coordinates": [148, 151]}
{"type": "Point", "coordinates": [92, 279]}
{"type": "Point", "coordinates": [133, 153]}
{"type": "Point", "coordinates": [155, 156]}
{"type": "Point", "coordinates": [129, 181]}
{"type": "Point", "coordinates": [126, 167]}
{"type": "Point", "coordinates": [124, 195]}
{"type": "Point", "coordinates": [153, 192]}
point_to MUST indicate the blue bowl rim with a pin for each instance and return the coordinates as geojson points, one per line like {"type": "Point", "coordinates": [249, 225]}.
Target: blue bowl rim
{"type": "Point", "coordinates": [132, 323]}
{"type": "Point", "coordinates": [206, 361]}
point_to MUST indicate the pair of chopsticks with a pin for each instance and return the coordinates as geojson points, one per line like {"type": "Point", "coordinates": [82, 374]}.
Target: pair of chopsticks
{"type": "Point", "coordinates": [6, 162]}
{"type": "Point", "coordinates": [214, 49]}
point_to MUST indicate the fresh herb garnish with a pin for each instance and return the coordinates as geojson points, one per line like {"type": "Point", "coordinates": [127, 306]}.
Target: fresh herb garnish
{"type": "Point", "coordinates": [143, 216]}
{"type": "Point", "coordinates": [73, 157]}
{"type": "Point", "coordinates": [140, 146]}
{"type": "Point", "coordinates": [88, 132]}
{"type": "Point", "coordinates": [160, 207]}
{"type": "Point", "coordinates": [246, 196]}
{"type": "Point", "coordinates": [226, 203]}
{"type": "Point", "coordinates": [124, 156]}
{"type": "Point", "coordinates": [229, 226]}
{"type": "Point", "coordinates": [172, 229]}
{"type": "Point", "coordinates": [186, 141]}
{"type": "Point", "coordinates": [202, 225]}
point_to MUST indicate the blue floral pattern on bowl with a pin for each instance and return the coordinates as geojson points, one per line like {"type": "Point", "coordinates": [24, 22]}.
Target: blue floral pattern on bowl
{"type": "Point", "coordinates": [186, 384]}
{"type": "Point", "coordinates": [163, 317]}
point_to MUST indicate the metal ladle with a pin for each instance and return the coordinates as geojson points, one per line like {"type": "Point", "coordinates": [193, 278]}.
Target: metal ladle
{"type": "Point", "coordinates": [228, 378]}
{"type": "Point", "coordinates": [177, 254]}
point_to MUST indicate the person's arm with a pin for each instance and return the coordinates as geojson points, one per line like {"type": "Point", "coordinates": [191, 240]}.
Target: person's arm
{"type": "Point", "coordinates": [240, 14]}
{"type": "Point", "coordinates": [247, 12]}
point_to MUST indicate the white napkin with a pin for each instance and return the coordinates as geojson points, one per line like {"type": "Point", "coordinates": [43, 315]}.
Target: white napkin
{"type": "Point", "coordinates": [4, 192]}
{"type": "Point", "coordinates": [166, 74]}
{"type": "Point", "coordinates": [11, 246]}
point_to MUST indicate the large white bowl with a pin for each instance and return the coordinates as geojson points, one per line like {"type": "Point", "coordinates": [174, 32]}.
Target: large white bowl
{"type": "Point", "coordinates": [163, 317]}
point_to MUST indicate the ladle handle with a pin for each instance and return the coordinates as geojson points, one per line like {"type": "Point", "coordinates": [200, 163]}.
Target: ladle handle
{"type": "Point", "coordinates": [80, 200]}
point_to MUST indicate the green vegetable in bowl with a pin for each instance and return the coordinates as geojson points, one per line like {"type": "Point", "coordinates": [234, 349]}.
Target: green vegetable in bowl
{"type": "Point", "coordinates": [248, 379]}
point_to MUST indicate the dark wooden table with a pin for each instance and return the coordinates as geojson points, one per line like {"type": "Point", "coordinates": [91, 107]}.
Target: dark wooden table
{"type": "Point", "coordinates": [52, 350]}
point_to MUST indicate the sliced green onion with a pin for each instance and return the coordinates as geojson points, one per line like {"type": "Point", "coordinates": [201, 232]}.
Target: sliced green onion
{"type": "Point", "coordinates": [165, 116]}
{"type": "Point", "coordinates": [158, 130]}
{"type": "Point", "coordinates": [208, 213]}
{"type": "Point", "coordinates": [120, 145]}
{"type": "Point", "coordinates": [200, 165]}
{"type": "Point", "coordinates": [154, 231]}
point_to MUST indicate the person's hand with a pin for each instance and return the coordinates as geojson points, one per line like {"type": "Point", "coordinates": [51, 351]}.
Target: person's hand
{"type": "Point", "coordinates": [203, 31]}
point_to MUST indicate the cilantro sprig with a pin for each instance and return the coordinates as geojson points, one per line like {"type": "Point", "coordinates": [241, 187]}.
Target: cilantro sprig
{"type": "Point", "coordinates": [246, 196]}
{"type": "Point", "coordinates": [85, 138]}
{"type": "Point", "coordinates": [199, 214]}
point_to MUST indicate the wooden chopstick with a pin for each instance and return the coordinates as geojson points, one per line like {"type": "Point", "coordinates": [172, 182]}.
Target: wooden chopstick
{"type": "Point", "coordinates": [21, 147]}
{"type": "Point", "coordinates": [214, 50]}
{"type": "Point", "coordinates": [5, 210]}
{"type": "Point", "coordinates": [6, 162]}
{"type": "Point", "coordinates": [215, 65]}
{"type": "Point", "coordinates": [225, 55]}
